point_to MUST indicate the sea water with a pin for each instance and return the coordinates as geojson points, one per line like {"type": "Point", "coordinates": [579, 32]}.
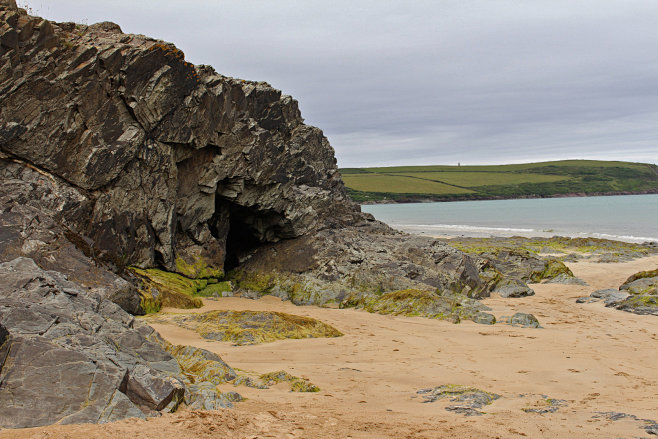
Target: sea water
{"type": "Point", "coordinates": [632, 218]}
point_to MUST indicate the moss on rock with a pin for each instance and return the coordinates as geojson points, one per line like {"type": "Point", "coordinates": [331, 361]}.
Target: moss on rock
{"type": "Point", "coordinates": [413, 302]}
{"type": "Point", "coordinates": [253, 327]}
{"type": "Point", "coordinates": [296, 384]}
{"type": "Point", "coordinates": [200, 365]}
{"type": "Point", "coordinates": [198, 268]}
{"type": "Point", "coordinates": [553, 268]}
{"type": "Point", "coordinates": [259, 282]}
{"type": "Point", "coordinates": [218, 289]}
{"type": "Point", "coordinates": [642, 275]}
{"type": "Point", "coordinates": [162, 288]}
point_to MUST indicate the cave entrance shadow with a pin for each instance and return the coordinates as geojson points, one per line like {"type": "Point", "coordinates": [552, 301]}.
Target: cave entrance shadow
{"type": "Point", "coordinates": [242, 237]}
{"type": "Point", "coordinates": [248, 229]}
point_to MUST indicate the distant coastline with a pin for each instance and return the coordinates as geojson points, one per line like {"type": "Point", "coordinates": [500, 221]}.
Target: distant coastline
{"type": "Point", "coordinates": [439, 199]}
{"type": "Point", "coordinates": [438, 183]}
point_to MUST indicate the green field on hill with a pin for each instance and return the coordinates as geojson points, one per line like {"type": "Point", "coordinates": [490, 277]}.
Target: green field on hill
{"type": "Point", "coordinates": [545, 179]}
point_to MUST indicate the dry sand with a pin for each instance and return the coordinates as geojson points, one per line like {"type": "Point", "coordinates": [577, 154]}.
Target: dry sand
{"type": "Point", "coordinates": [597, 359]}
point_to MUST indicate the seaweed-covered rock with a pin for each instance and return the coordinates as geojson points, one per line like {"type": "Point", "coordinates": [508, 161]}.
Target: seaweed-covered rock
{"type": "Point", "coordinates": [526, 266]}
{"type": "Point", "coordinates": [642, 288]}
{"type": "Point", "coordinates": [649, 425]}
{"type": "Point", "coordinates": [546, 405]}
{"type": "Point", "coordinates": [296, 384]}
{"type": "Point", "coordinates": [639, 294]}
{"type": "Point", "coordinates": [484, 318]}
{"type": "Point", "coordinates": [468, 399]}
{"type": "Point", "coordinates": [368, 257]}
{"type": "Point", "coordinates": [640, 275]}
{"type": "Point", "coordinates": [199, 365]}
{"type": "Point", "coordinates": [250, 327]}
{"type": "Point", "coordinates": [521, 319]}
{"type": "Point", "coordinates": [206, 396]}
{"type": "Point", "coordinates": [565, 279]}
{"type": "Point", "coordinates": [453, 307]}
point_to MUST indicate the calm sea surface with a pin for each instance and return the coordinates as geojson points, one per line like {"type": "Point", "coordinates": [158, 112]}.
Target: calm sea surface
{"type": "Point", "coordinates": [631, 218]}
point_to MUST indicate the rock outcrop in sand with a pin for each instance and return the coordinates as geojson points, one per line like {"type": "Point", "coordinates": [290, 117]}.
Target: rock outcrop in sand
{"type": "Point", "coordinates": [639, 294]}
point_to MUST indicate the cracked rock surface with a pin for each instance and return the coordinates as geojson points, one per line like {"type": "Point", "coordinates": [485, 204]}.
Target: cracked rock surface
{"type": "Point", "coordinates": [69, 356]}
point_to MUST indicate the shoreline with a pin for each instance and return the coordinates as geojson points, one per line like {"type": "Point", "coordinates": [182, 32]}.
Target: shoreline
{"type": "Point", "coordinates": [439, 199]}
{"type": "Point", "coordinates": [493, 233]}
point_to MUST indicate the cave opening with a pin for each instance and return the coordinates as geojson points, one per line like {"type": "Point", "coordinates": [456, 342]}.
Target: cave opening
{"type": "Point", "coordinates": [241, 237]}
{"type": "Point", "coordinates": [244, 229]}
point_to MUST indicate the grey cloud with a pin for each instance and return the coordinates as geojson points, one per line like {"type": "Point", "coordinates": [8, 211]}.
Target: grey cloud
{"type": "Point", "coordinates": [419, 82]}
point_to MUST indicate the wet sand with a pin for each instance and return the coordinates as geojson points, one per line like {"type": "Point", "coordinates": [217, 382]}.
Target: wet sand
{"type": "Point", "coordinates": [597, 359]}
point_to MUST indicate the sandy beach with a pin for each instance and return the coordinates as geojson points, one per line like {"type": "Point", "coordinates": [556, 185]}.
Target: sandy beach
{"type": "Point", "coordinates": [595, 359]}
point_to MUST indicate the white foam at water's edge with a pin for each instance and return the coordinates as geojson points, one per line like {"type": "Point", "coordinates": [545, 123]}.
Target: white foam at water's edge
{"type": "Point", "coordinates": [623, 237]}
{"type": "Point", "coordinates": [506, 231]}
{"type": "Point", "coordinates": [461, 227]}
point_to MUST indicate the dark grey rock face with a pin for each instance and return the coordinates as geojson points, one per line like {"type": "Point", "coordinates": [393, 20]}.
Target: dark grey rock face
{"type": "Point", "coordinates": [68, 356]}
{"type": "Point", "coordinates": [170, 160]}
{"type": "Point", "coordinates": [33, 223]}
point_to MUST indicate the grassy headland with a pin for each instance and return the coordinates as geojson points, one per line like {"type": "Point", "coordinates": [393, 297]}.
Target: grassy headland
{"type": "Point", "coordinates": [545, 179]}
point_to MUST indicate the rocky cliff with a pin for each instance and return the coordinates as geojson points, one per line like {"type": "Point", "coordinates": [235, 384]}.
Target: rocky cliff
{"type": "Point", "coordinates": [163, 162]}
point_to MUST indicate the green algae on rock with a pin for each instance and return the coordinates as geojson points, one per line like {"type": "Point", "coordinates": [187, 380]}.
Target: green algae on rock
{"type": "Point", "coordinates": [553, 268]}
{"type": "Point", "coordinates": [200, 365]}
{"type": "Point", "coordinates": [601, 250]}
{"type": "Point", "coordinates": [199, 268]}
{"type": "Point", "coordinates": [641, 275]}
{"type": "Point", "coordinates": [411, 302]}
{"type": "Point", "coordinates": [201, 371]}
{"type": "Point", "coordinates": [163, 288]}
{"type": "Point", "coordinates": [296, 384]}
{"type": "Point", "coordinates": [252, 327]}
{"type": "Point", "coordinates": [643, 290]}
{"type": "Point", "coordinates": [639, 294]}
{"type": "Point", "coordinates": [468, 399]}
{"type": "Point", "coordinates": [521, 319]}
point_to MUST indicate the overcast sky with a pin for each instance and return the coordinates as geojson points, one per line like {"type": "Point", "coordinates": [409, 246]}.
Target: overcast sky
{"type": "Point", "coordinates": [429, 82]}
